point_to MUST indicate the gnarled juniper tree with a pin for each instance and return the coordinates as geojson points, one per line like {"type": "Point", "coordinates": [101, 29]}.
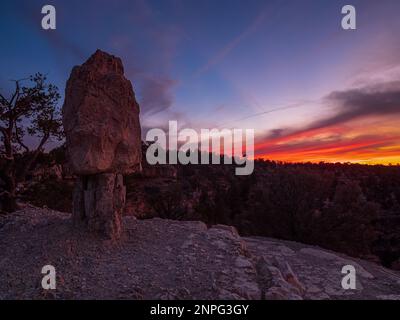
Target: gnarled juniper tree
{"type": "Point", "coordinates": [29, 110]}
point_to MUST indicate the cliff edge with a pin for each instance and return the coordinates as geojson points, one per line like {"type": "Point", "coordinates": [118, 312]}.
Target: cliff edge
{"type": "Point", "coordinates": [165, 259]}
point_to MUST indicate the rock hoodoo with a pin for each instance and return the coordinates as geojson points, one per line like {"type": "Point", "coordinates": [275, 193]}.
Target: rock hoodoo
{"type": "Point", "coordinates": [101, 123]}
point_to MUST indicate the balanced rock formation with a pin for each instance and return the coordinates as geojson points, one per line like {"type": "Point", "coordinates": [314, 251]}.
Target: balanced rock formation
{"type": "Point", "coordinates": [101, 123]}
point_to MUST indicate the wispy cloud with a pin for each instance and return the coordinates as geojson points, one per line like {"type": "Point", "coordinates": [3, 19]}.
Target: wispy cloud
{"type": "Point", "coordinates": [255, 24]}
{"type": "Point", "coordinates": [343, 135]}
{"type": "Point", "coordinates": [156, 95]}
{"type": "Point", "coordinates": [380, 99]}
{"type": "Point", "coordinates": [145, 45]}
{"type": "Point", "coordinates": [377, 100]}
{"type": "Point", "coordinates": [148, 56]}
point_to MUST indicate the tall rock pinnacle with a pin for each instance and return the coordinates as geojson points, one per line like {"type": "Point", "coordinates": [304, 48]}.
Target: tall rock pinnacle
{"type": "Point", "coordinates": [101, 117]}
{"type": "Point", "coordinates": [101, 123]}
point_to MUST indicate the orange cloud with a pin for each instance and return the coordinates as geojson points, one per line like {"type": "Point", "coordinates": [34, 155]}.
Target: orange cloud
{"type": "Point", "coordinates": [369, 141]}
{"type": "Point", "coordinates": [364, 129]}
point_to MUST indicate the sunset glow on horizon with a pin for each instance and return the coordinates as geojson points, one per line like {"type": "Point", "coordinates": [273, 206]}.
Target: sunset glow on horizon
{"type": "Point", "coordinates": [310, 90]}
{"type": "Point", "coordinates": [365, 142]}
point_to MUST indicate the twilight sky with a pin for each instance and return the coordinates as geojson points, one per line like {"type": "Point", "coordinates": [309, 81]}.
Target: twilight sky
{"type": "Point", "coordinates": [312, 91]}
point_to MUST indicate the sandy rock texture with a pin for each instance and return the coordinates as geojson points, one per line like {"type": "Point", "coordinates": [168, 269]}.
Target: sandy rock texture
{"type": "Point", "coordinates": [101, 118]}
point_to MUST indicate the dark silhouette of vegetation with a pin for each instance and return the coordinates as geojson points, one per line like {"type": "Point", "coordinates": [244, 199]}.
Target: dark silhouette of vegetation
{"type": "Point", "coordinates": [167, 204]}
{"type": "Point", "coordinates": [343, 207]}
{"type": "Point", "coordinates": [30, 110]}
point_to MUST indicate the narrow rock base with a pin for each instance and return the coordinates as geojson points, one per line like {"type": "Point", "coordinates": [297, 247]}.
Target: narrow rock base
{"type": "Point", "coordinates": [98, 202]}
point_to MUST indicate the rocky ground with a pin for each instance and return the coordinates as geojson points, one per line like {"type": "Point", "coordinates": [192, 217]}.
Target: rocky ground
{"type": "Point", "coordinates": [165, 259]}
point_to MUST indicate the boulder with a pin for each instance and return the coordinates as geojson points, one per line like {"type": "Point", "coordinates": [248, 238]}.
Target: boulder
{"type": "Point", "coordinates": [101, 118]}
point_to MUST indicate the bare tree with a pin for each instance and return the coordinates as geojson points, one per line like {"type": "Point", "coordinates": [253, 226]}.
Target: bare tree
{"type": "Point", "coordinates": [29, 110]}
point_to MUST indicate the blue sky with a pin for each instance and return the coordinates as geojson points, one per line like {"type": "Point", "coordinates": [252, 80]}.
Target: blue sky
{"type": "Point", "coordinates": [213, 63]}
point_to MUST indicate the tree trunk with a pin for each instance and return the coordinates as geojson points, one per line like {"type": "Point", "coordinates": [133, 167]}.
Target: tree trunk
{"type": "Point", "coordinates": [24, 171]}
{"type": "Point", "coordinates": [9, 197]}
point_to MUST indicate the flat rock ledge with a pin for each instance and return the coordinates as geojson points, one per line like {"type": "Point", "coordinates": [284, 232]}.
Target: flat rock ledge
{"type": "Point", "coordinates": [165, 259]}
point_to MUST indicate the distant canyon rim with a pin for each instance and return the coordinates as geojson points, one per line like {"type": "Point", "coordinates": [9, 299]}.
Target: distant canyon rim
{"type": "Point", "coordinates": [234, 148]}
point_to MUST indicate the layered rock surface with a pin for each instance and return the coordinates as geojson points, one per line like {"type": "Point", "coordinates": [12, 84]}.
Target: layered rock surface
{"type": "Point", "coordinates": [165, 259]}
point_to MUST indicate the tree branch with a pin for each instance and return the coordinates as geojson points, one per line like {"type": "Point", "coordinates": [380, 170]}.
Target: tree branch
{"type": "Point", "coordinates": [19, 140]}
{"type": "Point", "coordinates": [16, 92]}
{"type": "Point", "coordinates": [5, 156]}
{"type": "Point", "coordinates": [34, 156]}
{"type": "Point", "coordinates": [4, 100]}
